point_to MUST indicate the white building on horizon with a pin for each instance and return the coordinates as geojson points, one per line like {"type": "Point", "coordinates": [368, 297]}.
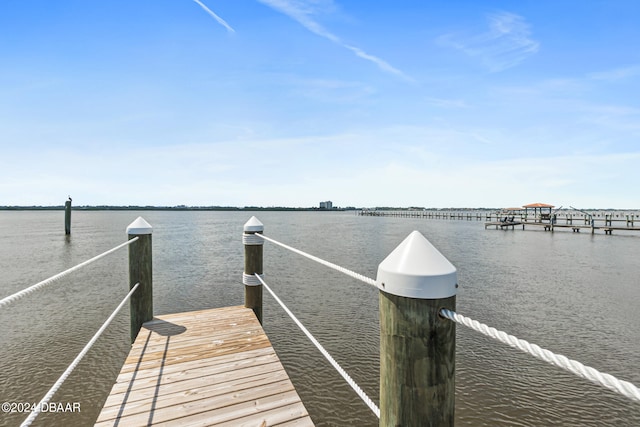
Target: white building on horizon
{"type": "Point", "coordinates": [326, 205]}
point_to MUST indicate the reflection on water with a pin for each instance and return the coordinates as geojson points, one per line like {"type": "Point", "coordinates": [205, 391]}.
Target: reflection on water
{"type": "Point", "coordinates": [575, 295]}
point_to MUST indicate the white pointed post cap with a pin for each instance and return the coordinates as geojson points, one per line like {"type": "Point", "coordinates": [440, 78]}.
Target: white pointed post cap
{"type": "Point", "coordinates": [139, 226]}
{"type": "Point", "coordinates": [253, 225]}
{"type": "Point", "coordinates": [416, 269]}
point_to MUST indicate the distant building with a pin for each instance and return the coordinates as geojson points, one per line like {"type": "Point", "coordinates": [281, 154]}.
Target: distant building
{"type": "Point", "coordinates": [326, 205]}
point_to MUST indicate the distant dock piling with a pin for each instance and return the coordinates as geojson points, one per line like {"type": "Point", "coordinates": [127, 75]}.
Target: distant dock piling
{"type": "Point", "coordinates": [140, 271]}
{"type": "Point", "coordinates": [67, 217]}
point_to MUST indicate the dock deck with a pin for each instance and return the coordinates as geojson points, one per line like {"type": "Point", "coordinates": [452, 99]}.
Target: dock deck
{"type": "Point", "coordinates": [502, 224]}
{"type": "Point", "coordinates": [209, 367]}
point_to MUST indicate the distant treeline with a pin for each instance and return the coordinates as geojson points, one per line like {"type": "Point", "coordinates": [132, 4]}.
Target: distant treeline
{"type": "Point", "coordinates": [167, 208]}
{"type": "Point", "coordinates": [253, 208]}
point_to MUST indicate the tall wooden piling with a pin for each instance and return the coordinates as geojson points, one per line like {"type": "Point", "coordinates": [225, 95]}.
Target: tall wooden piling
{"type": "Point", "coordinates": [67, 216]}
{"type": "Point", "coordinates": [140, 271]}
{"type": "Point", "coordinates": [417, 346]}
{"type": "Point", "coordinates": [253, 265]}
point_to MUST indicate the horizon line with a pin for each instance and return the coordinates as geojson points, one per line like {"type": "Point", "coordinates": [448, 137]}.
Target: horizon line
{"type": "Point", "coordinates": [254, 207]}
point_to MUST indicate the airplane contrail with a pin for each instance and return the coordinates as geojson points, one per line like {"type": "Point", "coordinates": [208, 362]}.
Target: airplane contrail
{"type": "Point", "coordinates": [302, 11]}
{"type": "Point", "coordinates": [216, 17]}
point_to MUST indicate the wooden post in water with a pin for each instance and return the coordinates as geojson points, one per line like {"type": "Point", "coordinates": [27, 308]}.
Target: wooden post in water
{"type": "Point", "coordinates": [253, 265]}
{"type": "Point", "coordinates": [67, 216]}
{"type": "Point", "coordinates": [417, 345]}
{"type": "Point", "coordinates": [140, 271]}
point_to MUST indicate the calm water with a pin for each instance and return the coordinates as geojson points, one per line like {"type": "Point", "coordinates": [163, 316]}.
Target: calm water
{"type": "Point", "coordinates": [575, 294]}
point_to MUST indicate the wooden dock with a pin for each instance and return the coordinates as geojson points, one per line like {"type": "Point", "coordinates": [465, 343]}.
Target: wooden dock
{"type": "Point", "coordinates": [502, 224]}
{"type": "Point", "coordinates": [210, 367]}
{"type": "Point", "coordinates": [548, 226]}
{"type": "Point", "coordinates": [601, 220]}
{"type": "Point", "coordinates": [607, 222]}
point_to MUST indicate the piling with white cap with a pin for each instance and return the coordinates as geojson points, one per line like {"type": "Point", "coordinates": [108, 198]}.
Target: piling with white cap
{"type": "Point", "coordinates": [253, 265]}
{"type": "Point", "coordinates": [140, 271]}
{"type": "Point", "coordinates": [417, 346]}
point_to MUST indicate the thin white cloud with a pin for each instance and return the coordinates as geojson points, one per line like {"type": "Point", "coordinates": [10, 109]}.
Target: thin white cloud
{"type": "Point", "coordinates": [216, 17]}
{"type": "Point", "coordinates": [616, 74]}
{"type": "Point", "coordinates": [331, 91]}
{"type": "Point", "coordinates": [507, 43]}
{"type": "Point", "coordinates": [304, 11]}
{"type": "Point", "coordinates": [447, 103]}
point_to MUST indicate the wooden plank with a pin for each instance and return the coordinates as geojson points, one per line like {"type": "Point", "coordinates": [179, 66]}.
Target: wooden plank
{"type": "Point", "coordinates": [182, 355]}
{"type": "Point", "coordinates": [203, 368]}
{"type": "Point", "coordinates": [289, 401]}
{"type": "Point", "coordinates": [215, 409]}
{"type": "Point", "coordinates": [169, 384]}
{"type": "Point", "coordinates": [298, 422]}
{"type": "Point", "coordinates": [205, 313]}
{"type": "Point", "coordinates": [226, 362]}
{"type": "Point", "coordinates": [277, 416]}
{"type": "Point", "coordinates": [160, 349]}
{"type": "Point", "coordinates": [232, 391]}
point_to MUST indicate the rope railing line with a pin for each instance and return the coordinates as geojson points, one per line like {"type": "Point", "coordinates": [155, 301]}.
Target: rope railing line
{"type": "Point", "coordinates": [374, 408]}
{"type": "Point", "coordinates": [16, 296]}
{"type": "Point", "coordinates": [624, 388]}
{"type": "Point", "coordinates": [336, 267]}
{"type": "Point", "coordinates": [45, 400]}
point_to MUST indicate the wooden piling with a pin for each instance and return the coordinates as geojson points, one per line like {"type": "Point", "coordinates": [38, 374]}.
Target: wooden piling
{"type": "Point", "coordinates": [417, 346]}
{"type": "Point", "coordinates": [67, 217]}
{"type": "Point", "coordinates": [253, 265]}
{"type": "Point", "coordinates": [140, 271]}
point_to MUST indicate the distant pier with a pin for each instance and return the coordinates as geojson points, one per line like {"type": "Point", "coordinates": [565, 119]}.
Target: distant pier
{"type": "Point", "coordinates": [604, 221]}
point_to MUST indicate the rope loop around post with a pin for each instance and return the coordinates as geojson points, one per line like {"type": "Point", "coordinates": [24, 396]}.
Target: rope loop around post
{"type": "Point", "coordinates": [252, 239]}
{"type": "Point", "coordinates": [251, 280]}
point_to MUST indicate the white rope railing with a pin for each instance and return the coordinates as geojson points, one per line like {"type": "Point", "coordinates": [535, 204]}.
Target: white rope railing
{"type": "Point", "coordinates": [47, 397]}
{"type": "Point", "coordinates": [336, 267]}
{"type": "Point", "coordinates": [624, 388]}
{"type": "Point", "coordinates": [325, 353]}
{"type": "Point", "coordinates": [12, 298]}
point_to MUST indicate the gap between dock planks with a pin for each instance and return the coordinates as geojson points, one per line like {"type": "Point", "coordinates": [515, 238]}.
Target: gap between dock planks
{"type": "Point", "coordinates": [201, 368]}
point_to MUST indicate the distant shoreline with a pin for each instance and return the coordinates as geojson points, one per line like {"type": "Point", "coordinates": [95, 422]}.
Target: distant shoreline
{"type": "Point", "coordinates": [168, 208]}
{"type": "Point", "coordinates": [260, 208]}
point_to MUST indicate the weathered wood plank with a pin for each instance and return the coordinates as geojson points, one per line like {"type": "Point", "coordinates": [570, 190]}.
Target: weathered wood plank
{"type": "Point", "coordinates": [298, 422]}
{"type": "Point", "coordinates": [185, 381]}
{"type": "Point", "coordinates": [186, 354]}
{"type": "Point", "coordinates": [233, 413]}
{"type": "Point", "coordinates": [224, 363]}
{"type": "Point", "coordinates": [276, 416]}
{"type": "Point", "coordinates": [159, 349]}
{"type": "Point", "coordinates": [216, 395]}
{"type": "Point", "coordinates": [203, 368]}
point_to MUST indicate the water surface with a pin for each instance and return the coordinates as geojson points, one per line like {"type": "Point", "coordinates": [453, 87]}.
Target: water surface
{"type": "Point", "coordinates": [574, 294]}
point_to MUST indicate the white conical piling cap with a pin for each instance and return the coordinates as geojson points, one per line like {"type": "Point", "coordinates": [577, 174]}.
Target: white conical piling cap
{"type": "Point", "coordinates": [139, 226]}
{"type": "Point", "coordinates": [253, 225]}
{"type": "Point", "coordinates": [416, 269]}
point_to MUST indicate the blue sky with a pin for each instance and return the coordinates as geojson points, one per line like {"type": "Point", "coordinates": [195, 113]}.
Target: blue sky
{"type": "Point", "coordinates": [291, 102]}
